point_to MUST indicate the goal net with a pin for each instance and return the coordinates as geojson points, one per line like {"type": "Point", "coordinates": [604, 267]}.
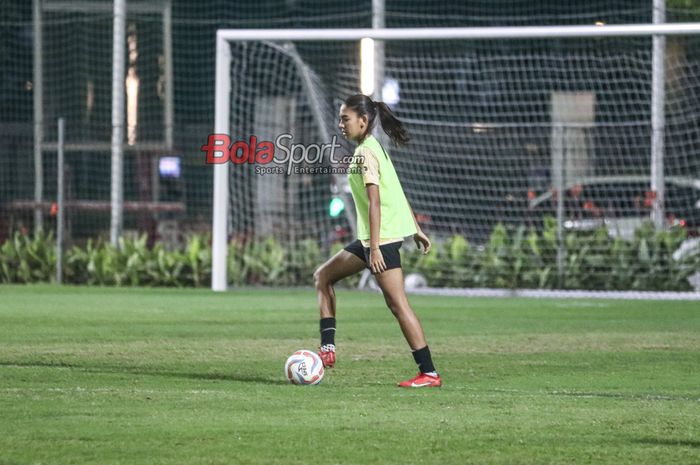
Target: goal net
{"type": "Point", "coordinates": [531, 158]}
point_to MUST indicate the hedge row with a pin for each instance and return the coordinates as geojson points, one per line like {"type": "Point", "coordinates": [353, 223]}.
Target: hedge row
{"type": "Point", "coordinates": [518, 258]}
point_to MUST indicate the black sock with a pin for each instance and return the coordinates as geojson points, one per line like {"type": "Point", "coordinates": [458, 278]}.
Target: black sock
{"type": "Point", "coordinates": [327, 331]}
{"type": "Point", "coordinates": [424, 360]}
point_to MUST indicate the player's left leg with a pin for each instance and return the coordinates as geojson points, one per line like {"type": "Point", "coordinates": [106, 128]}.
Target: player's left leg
{"type": "Point", "coordinates": [392, 285]}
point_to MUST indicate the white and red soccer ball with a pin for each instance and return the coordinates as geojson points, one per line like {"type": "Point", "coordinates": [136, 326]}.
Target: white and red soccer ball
{"type": "Point", "coordinates": [304, 367]}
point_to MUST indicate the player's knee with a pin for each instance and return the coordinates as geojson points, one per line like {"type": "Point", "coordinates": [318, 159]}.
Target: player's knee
{"type": "Point", "coordinates": [398, 305]}
{"type": "Point", "coordinates": [320, 280]}
{"type": "Point", "coordinates": [393, 305]}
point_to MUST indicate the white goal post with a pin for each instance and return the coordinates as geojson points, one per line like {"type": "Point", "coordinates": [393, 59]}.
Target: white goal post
{"type": "Point", "coordinates": [223, 109]}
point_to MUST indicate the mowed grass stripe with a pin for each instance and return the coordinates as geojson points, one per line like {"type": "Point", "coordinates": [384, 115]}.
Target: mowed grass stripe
{"type": "Point", "coordinates": [144, 376]}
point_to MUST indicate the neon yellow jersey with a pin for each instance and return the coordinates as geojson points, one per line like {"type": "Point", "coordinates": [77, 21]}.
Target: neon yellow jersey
{"type": "Point", "coordinates": [396, 217]}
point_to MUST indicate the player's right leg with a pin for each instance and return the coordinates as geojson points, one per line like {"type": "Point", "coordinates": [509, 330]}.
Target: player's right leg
{"type": "Point", "coordinates": [341, 265]}
{"type": "Point", "coordinates": [392, 284]}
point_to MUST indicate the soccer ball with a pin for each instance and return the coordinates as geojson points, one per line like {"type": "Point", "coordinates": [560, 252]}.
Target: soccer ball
{"type": "Point", "coordinates": [415, 281]}
{"type": "Point", "coordinates": [304, 367]}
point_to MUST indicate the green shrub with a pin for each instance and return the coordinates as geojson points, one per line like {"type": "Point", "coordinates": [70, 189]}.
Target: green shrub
{"type": "Point", "coordinates": [511, 258]}
{"type": "Point", "coordinates": [28, 258]}
{"type": "Point", "coordinates": [521, 258]}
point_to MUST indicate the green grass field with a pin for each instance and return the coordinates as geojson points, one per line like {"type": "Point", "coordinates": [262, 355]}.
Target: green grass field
{"type": "Point", "coordinates": [145, 376]}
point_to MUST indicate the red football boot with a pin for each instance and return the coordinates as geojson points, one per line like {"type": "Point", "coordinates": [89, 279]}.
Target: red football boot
{"type": "Point", "coordinates": [327, 354]}
{"type": "Point", "coordinates": [422, 380]}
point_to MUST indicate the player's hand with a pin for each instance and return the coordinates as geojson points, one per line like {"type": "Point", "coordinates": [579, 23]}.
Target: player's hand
{"type": "Point", "coordinates": [376, 261]}
{"type": "Point", "coordinates": [422, 239]}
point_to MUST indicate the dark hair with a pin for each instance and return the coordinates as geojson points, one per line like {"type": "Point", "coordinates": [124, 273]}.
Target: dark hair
{"type": "Point", "coordinates": [365, 106]}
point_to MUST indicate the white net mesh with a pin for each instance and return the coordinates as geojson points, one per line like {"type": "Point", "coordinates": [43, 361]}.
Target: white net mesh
{"type": "Point", "coordinates": [497, 128]}
{"type": "Point", "coordinates": [76, 60]}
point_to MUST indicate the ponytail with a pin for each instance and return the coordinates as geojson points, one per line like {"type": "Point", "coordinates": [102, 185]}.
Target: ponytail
{"type": "Point", "coordinates": [391, 125]}
{"type": "Point", "coordinates": [365, 106]}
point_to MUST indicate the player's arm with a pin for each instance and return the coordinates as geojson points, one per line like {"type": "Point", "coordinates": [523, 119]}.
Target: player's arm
{"type": "Point", "coordinates": [371, 180]}
{"type": "Point", "coordinates": [375, 215]}
{"type": "Point", "coordinates": [376, 259]}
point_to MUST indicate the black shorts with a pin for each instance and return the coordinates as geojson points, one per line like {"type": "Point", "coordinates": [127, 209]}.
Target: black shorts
{"type": "Point", "coordinates": [390, 252]}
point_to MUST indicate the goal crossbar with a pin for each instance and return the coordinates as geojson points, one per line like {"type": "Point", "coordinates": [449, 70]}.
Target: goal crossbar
{"type": "Point", "coordinates": [515, 32]}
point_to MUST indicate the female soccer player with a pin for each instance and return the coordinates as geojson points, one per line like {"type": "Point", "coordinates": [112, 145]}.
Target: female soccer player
{"type": "Point", "coordinates": [384, 218]}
